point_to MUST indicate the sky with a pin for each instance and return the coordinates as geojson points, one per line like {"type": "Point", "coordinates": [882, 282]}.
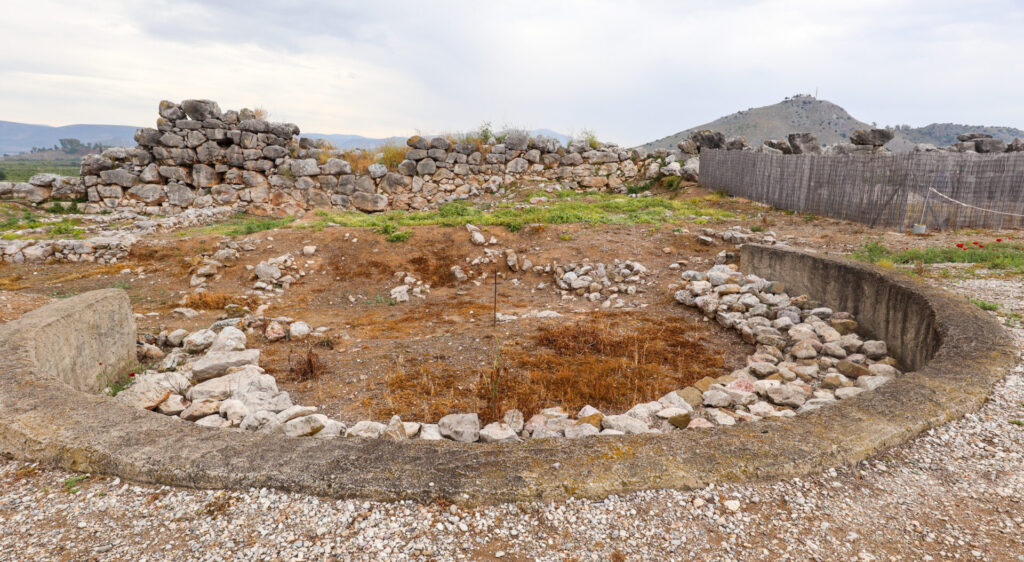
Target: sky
{"type": "Point", "coordinates": [629, 71]}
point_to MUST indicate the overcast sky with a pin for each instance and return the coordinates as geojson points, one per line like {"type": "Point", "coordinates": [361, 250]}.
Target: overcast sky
{"type": "Point", "coordinates": [631, 71]}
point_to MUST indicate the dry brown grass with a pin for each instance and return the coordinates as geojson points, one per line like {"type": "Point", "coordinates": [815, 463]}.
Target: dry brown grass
{"type": "Point", "coordinates": [391, 154]}
{"type": "Point", "coordinates": [611, 361]}
{"type": "Point", "coordinates": [12, 283]}
{"type": "Point", "coordinates": [305, 367]}
{"type": "Point", "coordinates": [213, 301]}
{"type": "Point", "coordinates": [94, 272]}
{"type": "Point", "coordinates": [359, 159]}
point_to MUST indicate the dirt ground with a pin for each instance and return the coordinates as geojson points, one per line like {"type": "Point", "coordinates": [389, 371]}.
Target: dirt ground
{"type": "Point", "coordinates": [444, 353]}
{"type": "Point", "coordinates": [951, 494]}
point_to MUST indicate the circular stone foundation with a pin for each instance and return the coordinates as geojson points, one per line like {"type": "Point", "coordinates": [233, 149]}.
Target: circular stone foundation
{"type": "Point", "coordinates": [54, 359]}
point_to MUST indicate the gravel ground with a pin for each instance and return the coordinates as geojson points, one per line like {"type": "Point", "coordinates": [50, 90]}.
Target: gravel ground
{"type": "Point", "coordinates": [953, 493]}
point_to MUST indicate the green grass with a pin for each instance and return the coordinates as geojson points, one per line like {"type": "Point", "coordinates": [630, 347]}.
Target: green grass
{"type": "Point", "coordinates": [985, 305]}
{"type": "Point", "coordinates": [400, 236]}
{"type": "Point", "coordinates": [15, 217]}
{"type": "Point", "coordinates": [71, 484]}
{"type": "Point", "coordinates": [591, 208]}
{"type": "Point", "coordinates": [22, 170]}
{"type": "Point", "coordinates": [995, 255]}
{"type": "Point", "coordinates": [239, 225]}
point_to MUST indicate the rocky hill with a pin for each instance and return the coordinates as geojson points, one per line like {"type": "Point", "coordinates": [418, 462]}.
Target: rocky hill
{"type": "Point", "coordinates": [830, 122]}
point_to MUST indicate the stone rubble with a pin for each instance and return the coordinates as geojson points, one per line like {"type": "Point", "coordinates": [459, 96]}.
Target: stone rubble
{"type": "Point", "coordinates": [806, 357]}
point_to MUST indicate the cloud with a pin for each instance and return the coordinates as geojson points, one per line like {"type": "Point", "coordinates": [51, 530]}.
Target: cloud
{"type": "Point", "coordinates": [632, 72]}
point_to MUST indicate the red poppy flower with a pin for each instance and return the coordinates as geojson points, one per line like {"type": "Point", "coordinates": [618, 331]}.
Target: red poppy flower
{"type": "Point", "coordinates": [131, 374]}
{"type": "Point", "coordinates": [981, 245]}
{"type": "Point", "coordinates": [975, 243]}
{"type": "Point", "coordinates": [999, 239]}
{"type": "Point", "coordinates": [960, 245]}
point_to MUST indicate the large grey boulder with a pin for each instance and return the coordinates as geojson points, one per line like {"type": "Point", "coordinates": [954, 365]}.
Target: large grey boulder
{"type": "Point", "coordinates": [201, 110]}
{"type": "Point", "coordinates": [149, 390]}
{"type": "Point", "coordinates": [369, 202]}
{"type": "Point", "coordinates": [464, 428]}
{"type": "Point", "coordinates": [199, 340]}
{"type": "Point", "coordinates": [985, 146]}
{"type": "Point", "coordinates": [782, 145]}
{"type": "Point", "coordinates": [234, 385]}
{"type": "Point", "coordinates": [302, 427]}
{"type": "Point", "coordinates": [304, 167]}
{"type": "Point", "coordinates": [736, 143]}
{"type": "Point", "coordinates": [626, 424]}
{"type": "Point", "coordinates": [367, 430]}
{"type": "Point", "coordinates": [229, 339]}
{"type": "Point", "coordinates": [498, 432]}
{"type": "Point", "coordinates": [804, 143]}
{"type": "Point", "coordinates": [517, 166]}
{"type": "Point", "coordinates": [708, 139]}
{"type": "Point", "coordinates": [516, 140]}
{"type": "Point", "coordinates": [170, 110]}
{"type": "Point", "coordinates": [872, 137]}
{"type": "Point", "coordinates": [217, 363]}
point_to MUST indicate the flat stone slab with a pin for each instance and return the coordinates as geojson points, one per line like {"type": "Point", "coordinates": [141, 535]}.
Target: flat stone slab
{"type": "Point", "coordinates": [955, 351]}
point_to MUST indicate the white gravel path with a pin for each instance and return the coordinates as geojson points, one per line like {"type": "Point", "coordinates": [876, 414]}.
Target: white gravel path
{"type": "Point", "coordinates": [953, 493]}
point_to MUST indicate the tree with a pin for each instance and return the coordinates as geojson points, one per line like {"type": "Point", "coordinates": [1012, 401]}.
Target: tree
{"type": "Point", "coordinates": [70, 146]}
{"type": "Point", "coordinates": [3, 175]}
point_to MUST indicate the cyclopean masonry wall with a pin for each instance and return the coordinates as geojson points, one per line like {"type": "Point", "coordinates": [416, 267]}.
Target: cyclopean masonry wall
{"type": "Point", "coordinates": [200, 156]}
{"type": "Point", "coordinates": [956, 350]}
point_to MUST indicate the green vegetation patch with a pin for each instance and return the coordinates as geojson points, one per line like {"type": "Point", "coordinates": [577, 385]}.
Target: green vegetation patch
{"type": "Point", "coordinates": [993, 255]}
{"type": "Point", "coordinates": [22, 170]}
{"type": "Point", "coordinates": [590, 208]}
{"type": "Point", "coordinates": [239, 225]}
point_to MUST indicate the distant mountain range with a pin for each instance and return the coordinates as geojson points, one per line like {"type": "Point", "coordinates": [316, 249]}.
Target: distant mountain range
{"type": "Point", "coordinates": [830, 122]}
{"type": "Point", "coordinates": [21, 137]}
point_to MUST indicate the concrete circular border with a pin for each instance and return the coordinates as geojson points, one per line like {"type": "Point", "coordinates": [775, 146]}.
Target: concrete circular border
{"type": "Point", "coordinates": [955, 351]}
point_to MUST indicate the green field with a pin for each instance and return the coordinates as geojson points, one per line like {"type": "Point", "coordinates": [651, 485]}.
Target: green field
{"type": "Point", "coordinates": [22, 169]}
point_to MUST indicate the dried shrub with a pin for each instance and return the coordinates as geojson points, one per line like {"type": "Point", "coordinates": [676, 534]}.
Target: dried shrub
{"type": "Point", "coordinates": [308, 367]}
{"type": "Point", "coordinates": [391, 154]}
{"type": "Point", "coordinates": [207, 300]}
{"type": "Point", "coordinates": [611, 361]}
{"type": "Point", "coordinates": [12, 283]}
{"type": "Point", "coordinates": [359, 159]}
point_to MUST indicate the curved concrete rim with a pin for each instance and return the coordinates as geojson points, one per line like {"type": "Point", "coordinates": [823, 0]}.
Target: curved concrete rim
{"type": "Point", "coordinates": [957, 352]}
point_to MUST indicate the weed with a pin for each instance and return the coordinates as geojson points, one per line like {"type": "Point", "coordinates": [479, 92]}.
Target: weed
{"type": "Point", "coordinates": [633, 189]}
{"type": "Point", "coordinates": [1017, 422]}
{"type": "Point", "coordinates": [216, 507]}
{"type": "Point", "coordinates": [985, 305]}
{"type": "Point", "coordinates": [27, 471]}
{"type": "Point", "coordinates": [672, 183]}
{"type": "Point", "coordinates": [305, 368]}
{"type": "Point", "coordinates": [400, 236]}
{"type": "Point", "coordinates": [391, 154]}
{"type": "Point", "coordinates": [71, 484]}
{"type": "Point", "coordinates": [757, 228]}
{"type": "Point", "coordinates": [124, 285]}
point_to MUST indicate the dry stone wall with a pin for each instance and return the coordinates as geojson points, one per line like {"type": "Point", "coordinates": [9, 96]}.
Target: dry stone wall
{"type": "Point", "coordinates": [200, 156]}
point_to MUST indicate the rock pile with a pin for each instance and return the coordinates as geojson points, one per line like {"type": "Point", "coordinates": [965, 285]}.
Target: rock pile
{"type": "Point", "coordinates": [806, 357]}
{"type": "Point", "coordinates": [100, 249]}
